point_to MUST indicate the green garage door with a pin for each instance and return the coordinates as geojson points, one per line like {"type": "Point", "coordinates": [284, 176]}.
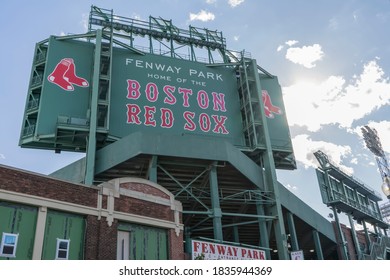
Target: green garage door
{"type": "Point", "coordinates": [17, 225]}
{"type": "Point", "coordinates": [137, 242]}
{"type": "Point", "coordinates": [64, 236]}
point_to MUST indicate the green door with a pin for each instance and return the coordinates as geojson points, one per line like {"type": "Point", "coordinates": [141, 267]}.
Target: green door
{"type": "Point", "coordinates": [64, 236]}
{"type": "Point", "coordinates": [138, 242]}
{"type": "Point", "coordinates": [19, 220]}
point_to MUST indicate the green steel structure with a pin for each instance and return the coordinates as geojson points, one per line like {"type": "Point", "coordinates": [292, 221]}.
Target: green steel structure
{"type": "Point", "coordinates": [344, 193]}
{"type": "Point", "coordinates": [212, 131]}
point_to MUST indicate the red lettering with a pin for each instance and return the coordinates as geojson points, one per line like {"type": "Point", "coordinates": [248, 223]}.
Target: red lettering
{"type": "Point", "coordinates": [167, 118]}
{"type": "Point", "coordinates": [204, 247]}
{"type": "Point", "coordinates": [186, 92]}
{"type": "Point", "coordinates": [133, 111]}
{"type": "Point", "coordinates": [203, 99]}
{"type": "Point", "coordinates": [151, 92]}
{"type": "Point", "coordinates": [170, 98]}
{"type": "Point", "coordinates": [149, 116]}
{"type": "Point", "coordinates": [262, 256]}
{"type": "Point", "coordinates": [196, 246]}
{"type": "Point", "coordinates": [212, 248]}
{"type": "Point", "coordinates": [189, 116]}
{"type": "Point", "coordinates": [256, 255]}
{"type": "Point", "coordinates": [204, 122]}
{"type": "Point", "coordinates": [220, 124]}
{"type": "Point", "coordinates": [219, 102]}
{"type": "Point", "coordinates": [133, 87]}
{"type": "Point", "coordinates": [221, 249]}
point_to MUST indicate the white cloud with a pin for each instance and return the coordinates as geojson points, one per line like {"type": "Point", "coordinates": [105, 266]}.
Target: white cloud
{"type": "Point", "coordinates": [2, 156]}
{"type": "Point", "coordinates": [202, 16]}
{"type": "Point", "coordinates": [306, 56]}
{"type": "Point", "coordinates": [333, 24]}
{"type": "Point", "coordinates": [280, 47]}
{"type": "Point", "coordinates": [354, 161]}
{"type": "Point", "coordinates": [291, 43]}
{"type": "Point", "coordinates": [235, 3]}
{"type": "Point", "coordinates": [304, 149]}
{"type": "Point", "coordinates": [236, 38]}
{"type": "Point", "coordinates": [211, 2]}
{"type": "Point", "coordinates": [334, 101]}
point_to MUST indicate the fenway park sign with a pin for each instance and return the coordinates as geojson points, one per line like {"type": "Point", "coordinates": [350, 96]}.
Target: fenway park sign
{"type": "Point", "coordinates": [213, 251]}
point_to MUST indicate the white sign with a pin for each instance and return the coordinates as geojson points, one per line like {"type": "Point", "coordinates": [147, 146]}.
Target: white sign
{"type": "Point", "coordinates": [297, 255]}
{"type": "Point", "coordinates": [214, 251]}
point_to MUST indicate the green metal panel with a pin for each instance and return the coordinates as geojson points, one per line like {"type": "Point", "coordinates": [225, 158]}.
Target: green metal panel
{"type": "Point", "coordinates": [174, 96]}
{"type": "Point", "coordinates": [146, 243]}
{"type": "Point", "coordinates": [275, 113]}
{"type": "Point", "coordinates": [19, 219]}
{"type": "Point", "coordinates": [323, 186]}
{"type": "Point", "coordinates": [60, 97]}
{"type": "Point", "coordinates": [63, 226]}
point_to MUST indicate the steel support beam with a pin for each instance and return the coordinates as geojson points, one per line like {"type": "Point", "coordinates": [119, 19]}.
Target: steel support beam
{"type": "Point", "coordinates": [292, 231]}
{"type": "Point", "coordinates": [270, 175]}
{"type": "Point", "coordinates": [91, 145]}
{"type": "Point", "coordinates": [317, 244]}
{"type": "Point", "coordinates": [217, 213]}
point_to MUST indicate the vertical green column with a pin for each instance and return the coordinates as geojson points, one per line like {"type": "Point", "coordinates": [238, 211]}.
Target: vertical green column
{"type": "Point", "coordinates": [217, 213]}
{"type": "Point", "coordinates": [264, 236]}
{"type": "Point", "coordinates": [342, 243]}
{"type": "Point", "coordinates": [91, 146]}
{"type": "Point", "coordinates": [292, 231]}
{"type": "Point", "coordinates": [354, 237]}
{"type": "Point", "coordinates": [236, 235]}
{"type": "Point", "coordinates": [317, 245]}
{"type": "Point", "coordinates": [367, 236]}
{"type": "Point", "coordinates": [270, 175]}
{"type": "Point", "coordinates": [153, 169]}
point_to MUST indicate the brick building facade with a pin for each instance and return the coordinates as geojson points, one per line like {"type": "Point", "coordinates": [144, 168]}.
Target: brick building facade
{"type": "Point", "coordinates": [106, 211]}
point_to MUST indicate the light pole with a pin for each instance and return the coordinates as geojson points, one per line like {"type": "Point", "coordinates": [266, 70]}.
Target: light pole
{"type": "Point", "coordinates": [373, 143]}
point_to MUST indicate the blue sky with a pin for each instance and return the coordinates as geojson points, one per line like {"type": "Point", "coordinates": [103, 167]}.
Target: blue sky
{"type": "Point", "coordinates": [331, 57]}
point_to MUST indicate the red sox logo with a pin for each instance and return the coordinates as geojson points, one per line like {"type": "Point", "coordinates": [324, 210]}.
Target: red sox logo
{"type": "Point", "coordinates": [269, 108]}
{"type": "Point", "coordinates": [64, 75]}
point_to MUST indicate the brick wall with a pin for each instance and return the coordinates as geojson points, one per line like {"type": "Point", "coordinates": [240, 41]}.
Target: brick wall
{"type": "Point", "coordinates": [46, 187]}
{"type": "Point", "coordinates": [100, 237]}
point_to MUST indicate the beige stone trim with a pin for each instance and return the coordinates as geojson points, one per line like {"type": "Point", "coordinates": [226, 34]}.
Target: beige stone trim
{"type": "Point", "coordinates": [39, 233]}
{"type": "Point", "coordinates": [110, 215]}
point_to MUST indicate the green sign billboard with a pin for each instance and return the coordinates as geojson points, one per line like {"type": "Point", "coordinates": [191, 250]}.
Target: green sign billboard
{"type": "Point", "coordinates": [66, 85]}
{"type": "Point", "coordinates": [147, 92]}
{"type": "Point", "coordinates": [275, 113]}
{"type": "Point", "coordinates": [167, 95]}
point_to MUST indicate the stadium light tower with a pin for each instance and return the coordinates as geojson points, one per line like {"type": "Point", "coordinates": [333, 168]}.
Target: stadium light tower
{"type": "Point", "coordinates": [373, 143]}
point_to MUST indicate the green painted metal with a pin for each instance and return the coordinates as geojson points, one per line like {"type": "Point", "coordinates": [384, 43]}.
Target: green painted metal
{"type": "Point", "coordinates": [307, 214]}
{"type": "Point", "coordinates": [217, 213]}
{"type": "Point", "coordinates": [354, 237]}
{"type": "Point", "coordinates": [317, 244]}
{"type": "Point", "coordinates": [264, 236]}
{"type": "Point", "coordinates": [21, 220]}
{"type": "Point", "coordinates": [153, 169]}
{"type": "Point", "coordinates": [270, 177]}
{"type": "Point", "coordinates": [146, 243]}
{"type": "Point", "coordinates": [61, 225]}
{"type": "Point", "coordinates": [347, 193]}
{"type": "Point", "coordinates": [91, 148]}
{"type": "Point", "coordinates": [292, 231]}
{"type": "Point", "coordinates": [181, 146]}
{"type": "Point", "coordinates": [342, 245]}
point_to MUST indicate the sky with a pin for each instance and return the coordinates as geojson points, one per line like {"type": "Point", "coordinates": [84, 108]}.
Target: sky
{"type": "Point", "coordinates": [332, 59]}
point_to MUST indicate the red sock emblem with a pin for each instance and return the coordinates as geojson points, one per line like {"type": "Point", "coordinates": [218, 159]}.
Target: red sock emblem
{"type": "Point", "coordinates": [269, 108]}
{"type": "Point", "coordinates": [64, 75]}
